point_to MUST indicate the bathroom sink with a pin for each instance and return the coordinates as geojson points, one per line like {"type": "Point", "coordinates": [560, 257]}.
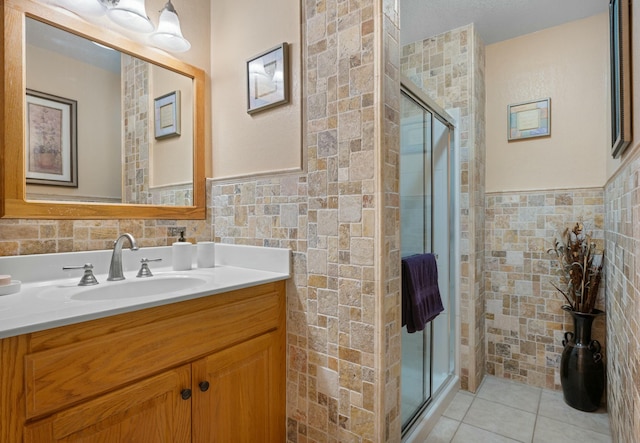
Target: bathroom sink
{"type": "Point", "coordinates": [158, 285]}
{"type": "Point", "coordinates": [139, 287]}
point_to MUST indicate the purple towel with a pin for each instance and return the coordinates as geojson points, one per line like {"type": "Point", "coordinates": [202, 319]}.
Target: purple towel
{"type": "Point", "coordinates": [421, 300]}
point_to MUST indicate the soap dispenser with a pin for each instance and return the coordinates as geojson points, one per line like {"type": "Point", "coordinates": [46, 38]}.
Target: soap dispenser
{"type": "Point", "coordinates": [182, 254]}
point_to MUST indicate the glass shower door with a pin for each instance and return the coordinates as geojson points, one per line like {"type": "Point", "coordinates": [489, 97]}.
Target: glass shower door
{"type": "Point", "coordinates": [415, 238]}
{"type": "Point", "coordinates": [425, 215]}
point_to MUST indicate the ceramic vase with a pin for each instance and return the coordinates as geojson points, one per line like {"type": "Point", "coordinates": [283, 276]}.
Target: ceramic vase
{"type": "Point", "coordinates": [581, 366]}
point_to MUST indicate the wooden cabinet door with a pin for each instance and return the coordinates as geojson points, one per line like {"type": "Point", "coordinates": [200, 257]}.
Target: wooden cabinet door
{"type": "Point", "coordinates": [149, 411]}
{"type": "Point", "coordinates": [244, 402]}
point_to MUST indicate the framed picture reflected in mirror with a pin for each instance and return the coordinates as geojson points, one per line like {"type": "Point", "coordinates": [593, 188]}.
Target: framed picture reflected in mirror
{"type": "Point", "coordinates": [167, 115]}
{"type": "Point", "coordinates": [51, 138]}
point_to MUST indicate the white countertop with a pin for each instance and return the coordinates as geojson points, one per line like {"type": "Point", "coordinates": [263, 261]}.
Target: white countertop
{"type": "Point", "coordinates": [46, 297]}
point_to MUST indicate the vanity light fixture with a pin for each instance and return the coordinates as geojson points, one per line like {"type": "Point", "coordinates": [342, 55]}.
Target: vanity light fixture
{"type": "Point", "coordinates": [169, 35]}
{"type": "Point", "coordinates": [130, 14]}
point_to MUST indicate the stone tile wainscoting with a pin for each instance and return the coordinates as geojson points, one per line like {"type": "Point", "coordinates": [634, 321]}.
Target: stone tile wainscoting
{"type": "Point", "coordinates": [178, 195]}
{"type": "Point", "coordinates": [21, 237]}
{"type": "Point", "coordinates": [524, 319]}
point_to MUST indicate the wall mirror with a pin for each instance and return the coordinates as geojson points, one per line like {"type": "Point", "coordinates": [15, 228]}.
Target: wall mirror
{"type": "Point", "coordinates": [620, 38]}
{"type": "Point", "coordinates": [96, 126]}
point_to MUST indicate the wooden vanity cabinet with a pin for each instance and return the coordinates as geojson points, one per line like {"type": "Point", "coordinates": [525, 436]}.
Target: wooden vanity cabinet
{"type": "Point", "coordinates": [204, 370]}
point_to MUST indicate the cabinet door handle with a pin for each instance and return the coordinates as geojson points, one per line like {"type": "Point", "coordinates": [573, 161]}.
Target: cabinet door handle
{"type": "Point", "coordinates": [204, 386]}
{"type": "Point", "coordinates": [185, 394]}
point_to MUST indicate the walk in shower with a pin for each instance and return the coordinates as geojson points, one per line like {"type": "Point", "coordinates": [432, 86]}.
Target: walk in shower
{"type": "Point", "coordinates": [427, 214]}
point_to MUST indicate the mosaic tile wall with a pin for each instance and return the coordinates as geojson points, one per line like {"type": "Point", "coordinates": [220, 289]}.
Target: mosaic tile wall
{"type": "Point", "coordinates": [476, 192]}
{"type": "Point", "coordinates": [135, 115]}
{"type": "Point", "coordinates": [20, 237]}
{"type": "Point", "coordinates": [622, 235]}
{"type": "Point", "coordinates": [179, 195]}
{"type": "Point", "coordinates": [524, 320]}
{"type": "Point", "coordinates": [450, 69]}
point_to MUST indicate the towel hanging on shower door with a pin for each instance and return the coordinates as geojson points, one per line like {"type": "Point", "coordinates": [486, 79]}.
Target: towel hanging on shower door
{"type": "Point", "coordinates": [421, 301]}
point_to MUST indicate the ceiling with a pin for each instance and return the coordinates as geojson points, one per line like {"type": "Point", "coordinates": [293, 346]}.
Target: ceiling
{"type": "Point", "coordinates": [70, 45]}
{"type": "Point", "coordinates": [495, 20]}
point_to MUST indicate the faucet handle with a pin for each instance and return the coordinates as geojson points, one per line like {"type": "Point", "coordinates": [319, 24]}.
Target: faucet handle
{"type": "Point", "coordinates": [88, 278]}
{"type": "Point", "coordinates": [144, 269]}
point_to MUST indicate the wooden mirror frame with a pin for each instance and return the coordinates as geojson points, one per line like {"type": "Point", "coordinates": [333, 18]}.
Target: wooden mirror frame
{"type": "Point", "coordinates": [13, 201]}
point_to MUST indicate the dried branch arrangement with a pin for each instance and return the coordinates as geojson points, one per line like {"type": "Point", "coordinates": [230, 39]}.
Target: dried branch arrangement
{"type": "Point", "coordinates": [582, 266]}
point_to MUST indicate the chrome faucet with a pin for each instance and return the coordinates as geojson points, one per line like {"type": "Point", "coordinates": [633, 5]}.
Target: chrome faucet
{"type": "Point", "coordinates": [115, 269]}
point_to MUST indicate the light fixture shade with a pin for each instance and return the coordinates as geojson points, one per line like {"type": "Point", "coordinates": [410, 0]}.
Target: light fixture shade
{"type": "Point", "coordinates": [169, 35]}
{"type": "Point", "coordinates": [131, 14]}
{"type": "Point", "coordinates": [94, 8]}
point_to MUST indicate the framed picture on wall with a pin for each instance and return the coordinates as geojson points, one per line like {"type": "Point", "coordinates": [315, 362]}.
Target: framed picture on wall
{"type": "Point", "coordinates": [167, 115]}
{"type": "Point", "coordinates": [268, 79]}
{"type": "Point", "coordinates": [51, 139]}
{"type": "Point", "coordinates": [529, 119]}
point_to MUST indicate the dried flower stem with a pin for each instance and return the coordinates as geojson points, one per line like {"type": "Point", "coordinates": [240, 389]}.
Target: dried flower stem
{"type": "Point", "coordinates": [582, 266]}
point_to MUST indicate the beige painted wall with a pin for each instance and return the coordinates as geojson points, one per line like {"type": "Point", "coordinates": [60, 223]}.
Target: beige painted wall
{"type": "Point", "coordinates": [570, 64]}
{"type": "Point", "coordinates": [268, 141]}
{"type": "Point", "coordinates": [171, 159]}
{"type": "Point", "coordinates": [99, 159]}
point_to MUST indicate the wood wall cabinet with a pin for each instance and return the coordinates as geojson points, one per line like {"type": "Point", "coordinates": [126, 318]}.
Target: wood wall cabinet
{"type": "Point", "coordinates": [205, 370]}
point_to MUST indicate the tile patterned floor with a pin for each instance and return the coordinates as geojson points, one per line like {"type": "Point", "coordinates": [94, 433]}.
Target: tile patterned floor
{"type": "Point", "coordinates": [503, 411]}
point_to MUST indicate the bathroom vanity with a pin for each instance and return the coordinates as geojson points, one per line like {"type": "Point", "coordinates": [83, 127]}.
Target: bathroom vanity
{"type": "Point", "coordinates": [200, 365]}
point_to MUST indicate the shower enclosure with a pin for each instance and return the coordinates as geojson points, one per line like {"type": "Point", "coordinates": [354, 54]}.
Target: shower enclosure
{"type": "Point", "coordinates": [427, 204]}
